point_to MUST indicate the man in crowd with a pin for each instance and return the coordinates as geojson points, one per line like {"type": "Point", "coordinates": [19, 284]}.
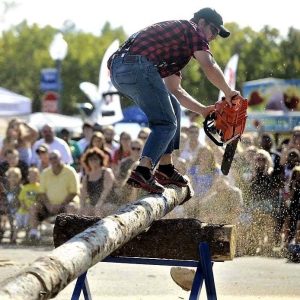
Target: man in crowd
{"type": "Point", "coordinates": [59, 193]}
{"type": "Point", "coordinates": [87, 132]}
{"type": "Point", "coordinates": [54, 143]}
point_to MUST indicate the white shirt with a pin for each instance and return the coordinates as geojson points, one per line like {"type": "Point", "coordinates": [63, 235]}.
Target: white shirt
{"type": "Point", "coordinates": [57, 144]}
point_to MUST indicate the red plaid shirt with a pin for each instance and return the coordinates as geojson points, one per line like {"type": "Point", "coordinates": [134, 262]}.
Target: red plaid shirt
{"type": "Point", "coordinates": [169, 45]}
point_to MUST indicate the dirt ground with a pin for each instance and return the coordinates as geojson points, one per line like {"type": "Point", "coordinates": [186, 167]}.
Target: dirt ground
{"type": "Point", "coordinates": [243, 278]}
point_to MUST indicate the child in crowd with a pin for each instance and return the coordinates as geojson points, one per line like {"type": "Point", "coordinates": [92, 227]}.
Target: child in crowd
{"type": "Point", "coordinates": [10, 193]}
{"type": "Point", "coordinates": [27, 198]}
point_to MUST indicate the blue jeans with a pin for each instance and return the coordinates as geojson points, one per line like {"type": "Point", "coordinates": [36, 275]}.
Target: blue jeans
{"type": "Point", "coordinates": [138, 79]}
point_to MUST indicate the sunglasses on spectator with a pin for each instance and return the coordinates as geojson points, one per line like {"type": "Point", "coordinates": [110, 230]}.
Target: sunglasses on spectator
{"type": "Point", "coordinates": [53, 157]}
{"type": "Point", "coordinates": [142, 137]}
{"type": "Point", "coordinates": [135, 148]}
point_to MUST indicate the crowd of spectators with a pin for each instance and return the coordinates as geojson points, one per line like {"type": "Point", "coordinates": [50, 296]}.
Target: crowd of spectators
{"type": "Point", "coordinates": [46, 173]}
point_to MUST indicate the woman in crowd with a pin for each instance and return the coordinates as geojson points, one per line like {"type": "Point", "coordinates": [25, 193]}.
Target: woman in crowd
{"type": "Point", "coordinates": [10, 200]}
{"type": "Point", "coordinates": [260, 202]}
{"type": "Point", "coordinates": [123, 151]}
{"type": "Point", "coordinates": [203, 173]}
{"type": "Point", "coordinates": [127, 193]}
{"type": "Point", "coordinates": [20, 136]}
{"type": "Point", "coordinates": [98, 141]}
{"type": "Point", "coordinates": [293, 216]}
{"type": "Point", "coordinates": [97, 183]}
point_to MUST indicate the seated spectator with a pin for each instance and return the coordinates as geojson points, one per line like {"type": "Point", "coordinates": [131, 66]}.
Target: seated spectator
{"type": "Point", "coordinates": [65, 134]}
{"type": "Point", "coordinates": [97, 184]}
{"type": "Point", "coordinates": [59, 193]}
{"type": "Point", "coordinates": [292, 161]}
{"type": "Point", "coordinates": [11, 202]}
{"type": "Point", "coordinates": [260, 202]}
{"type": "Point", "coordinates": [294, 143]}
{"type": "Point", "coordinates": [12, 160]}
{"type": "Point", "coordinates": [144, 133]}
{"type": "Point", "coordinates": [127, 193]}
{"type": "Point", "coordinates": [87, 132]}
{"type": "Point", "coordinates": [98, 141]}
{"type": "Point", "coordinates": [27, 198]}
{"type": "Point", "coordinates": [109, 135]}
{"type": "Point", "coordinates": [20, 136]}
{"type": "Point", "coordinates": [204, 171]}
{"type": "Point", "coordinates": [123, 151]}
{"type": "Point", "coordinates": [43, 154]}
{"type": "Point", "coordinates": [54, 143]}
{"type": "Point", "coordinates": [191, 148]}
{"type": "Point", "coordinates": [293, 220]}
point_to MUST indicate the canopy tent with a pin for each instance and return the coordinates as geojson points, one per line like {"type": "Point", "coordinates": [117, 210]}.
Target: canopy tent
{"type": "Point", "coordinates": [12, 104]}
{"type": "Point", "coordinates": [57, 121]}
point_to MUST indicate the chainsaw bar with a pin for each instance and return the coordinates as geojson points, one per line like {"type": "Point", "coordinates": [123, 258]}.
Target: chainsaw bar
{"type": "Point", "coordinates": [228, 156]}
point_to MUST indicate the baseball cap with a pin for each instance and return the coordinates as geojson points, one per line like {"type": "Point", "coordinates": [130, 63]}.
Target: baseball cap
{"type": "Point", "coordinates": [42, 148]}
{"type": "Point", "coordinates": [211, 16]}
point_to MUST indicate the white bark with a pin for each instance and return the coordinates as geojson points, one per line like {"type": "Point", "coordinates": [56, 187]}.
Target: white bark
{"type": "Point", "coordinates": [49, 274]}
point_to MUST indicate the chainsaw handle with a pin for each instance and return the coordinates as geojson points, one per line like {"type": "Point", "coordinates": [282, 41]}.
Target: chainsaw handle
{"type": "Point", "coordinates": [234, 106]}
{"type": "Point", "coordinates": [208, 133]}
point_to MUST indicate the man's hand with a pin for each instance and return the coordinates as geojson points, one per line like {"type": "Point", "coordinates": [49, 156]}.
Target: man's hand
{"type": "Point", "coordinates": [230, 97]}
{"type": "Point", "coordinates": [207, 110]}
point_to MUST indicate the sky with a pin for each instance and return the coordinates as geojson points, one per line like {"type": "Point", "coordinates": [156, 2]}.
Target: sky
{"type": "Point", "coordinates": [132, 15]}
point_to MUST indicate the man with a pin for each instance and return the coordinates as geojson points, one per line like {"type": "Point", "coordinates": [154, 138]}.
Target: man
{"type": "Point", "coordinates": [59, 193]}
{"type": "Point", "coordinates": [87, 133]}
{"type": "Point", "coordinates": [65, 134]}
{"type": "Point", "coordinates": [43, 154]}
{"type": "Point", "coordinates": [54, 143]}
{"type": "Point", "coordinates": [191, 147]}
{"type": "Point", "coordinates": [147, 69]}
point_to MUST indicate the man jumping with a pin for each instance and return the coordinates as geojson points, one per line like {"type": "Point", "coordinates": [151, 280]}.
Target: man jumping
{"type": "Point", "coordinates": [146, 68]}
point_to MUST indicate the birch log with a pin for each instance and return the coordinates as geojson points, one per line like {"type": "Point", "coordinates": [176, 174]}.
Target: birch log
{"type": "Point", "coordinates": [49, 274]}
{"type": "Point", "coordinates": [165, 239]}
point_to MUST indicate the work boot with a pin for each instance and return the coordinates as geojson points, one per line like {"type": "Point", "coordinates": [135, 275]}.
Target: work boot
{"type": "Point", "coordinates": [137, 180]}
{"type": "Point", "coordinates": [170, 175]}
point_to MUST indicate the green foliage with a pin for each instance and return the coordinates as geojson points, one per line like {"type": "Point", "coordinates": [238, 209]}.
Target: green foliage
{"type": "Point", "coordinates": [24, 52]}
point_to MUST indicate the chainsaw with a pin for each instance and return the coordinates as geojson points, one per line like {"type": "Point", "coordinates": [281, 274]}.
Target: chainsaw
{"type": "Point", "coordinates": [225, 126]}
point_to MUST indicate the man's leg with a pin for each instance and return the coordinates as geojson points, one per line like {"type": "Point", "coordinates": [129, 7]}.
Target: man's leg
{"type": "Point", "coordinates": [166, 172]}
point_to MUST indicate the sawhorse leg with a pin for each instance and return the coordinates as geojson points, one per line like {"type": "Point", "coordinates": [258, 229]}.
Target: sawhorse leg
{"type": "Point", "coordinates": [82, 285]}
{"type": "Point", "coordinates": [204, 272]}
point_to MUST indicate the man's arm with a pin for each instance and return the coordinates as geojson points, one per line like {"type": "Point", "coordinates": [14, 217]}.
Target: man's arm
{"type": "Point", "coordinates": [69, 198]}
{"type": "Point", "coordinates": [173, 83]}
{"type": "Point", "coordinates": [214, 74]}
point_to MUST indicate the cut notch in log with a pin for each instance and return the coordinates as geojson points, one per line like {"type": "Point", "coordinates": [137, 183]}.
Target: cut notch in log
{"type": "Point", "coordinates": [164, 239]}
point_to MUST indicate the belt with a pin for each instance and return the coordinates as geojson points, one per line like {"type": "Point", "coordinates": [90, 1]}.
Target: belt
{"type": "Point", "coordinates": [129, 58]}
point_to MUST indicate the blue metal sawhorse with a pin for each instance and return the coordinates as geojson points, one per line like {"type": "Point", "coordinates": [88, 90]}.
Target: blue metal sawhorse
{"type": "Point", "coordinates": [204, 273]}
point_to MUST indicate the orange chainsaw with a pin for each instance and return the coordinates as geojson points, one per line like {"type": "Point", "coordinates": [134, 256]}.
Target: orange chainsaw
{"type": "Point", "coordinates": [225, 126]}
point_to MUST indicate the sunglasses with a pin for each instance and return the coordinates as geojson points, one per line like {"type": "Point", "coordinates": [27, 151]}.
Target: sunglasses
{"type": "Point", "coordinates": [135, 148]}
{"type": "Point", "coordinates": [142, 137]}
{"type": "Point", "coordinates": [53, 157]}
{"type": "Point", "coordinates": [214, 30]}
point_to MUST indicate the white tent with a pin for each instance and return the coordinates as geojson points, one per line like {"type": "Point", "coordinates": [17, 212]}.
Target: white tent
{"type": "Point", "coordinates": [57, 121]}
{"type": "Point", "coordinates": [12, 104]}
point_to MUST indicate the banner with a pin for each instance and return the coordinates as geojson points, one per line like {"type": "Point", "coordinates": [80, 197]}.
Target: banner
{"type": "Point", "coordinates": [230, 73]}
{"type": "Point", "coordinates": [105, 98]}
{"type": "Point", "coordinates": [273, 94]}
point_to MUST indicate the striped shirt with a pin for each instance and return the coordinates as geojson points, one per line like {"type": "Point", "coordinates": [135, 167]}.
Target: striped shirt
{"type": "Point", "coordinates": [169, 45]}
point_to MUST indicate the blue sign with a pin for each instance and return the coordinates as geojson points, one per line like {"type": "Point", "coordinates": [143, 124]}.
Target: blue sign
{"type": "Point", "coordinates": [49, 80]}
